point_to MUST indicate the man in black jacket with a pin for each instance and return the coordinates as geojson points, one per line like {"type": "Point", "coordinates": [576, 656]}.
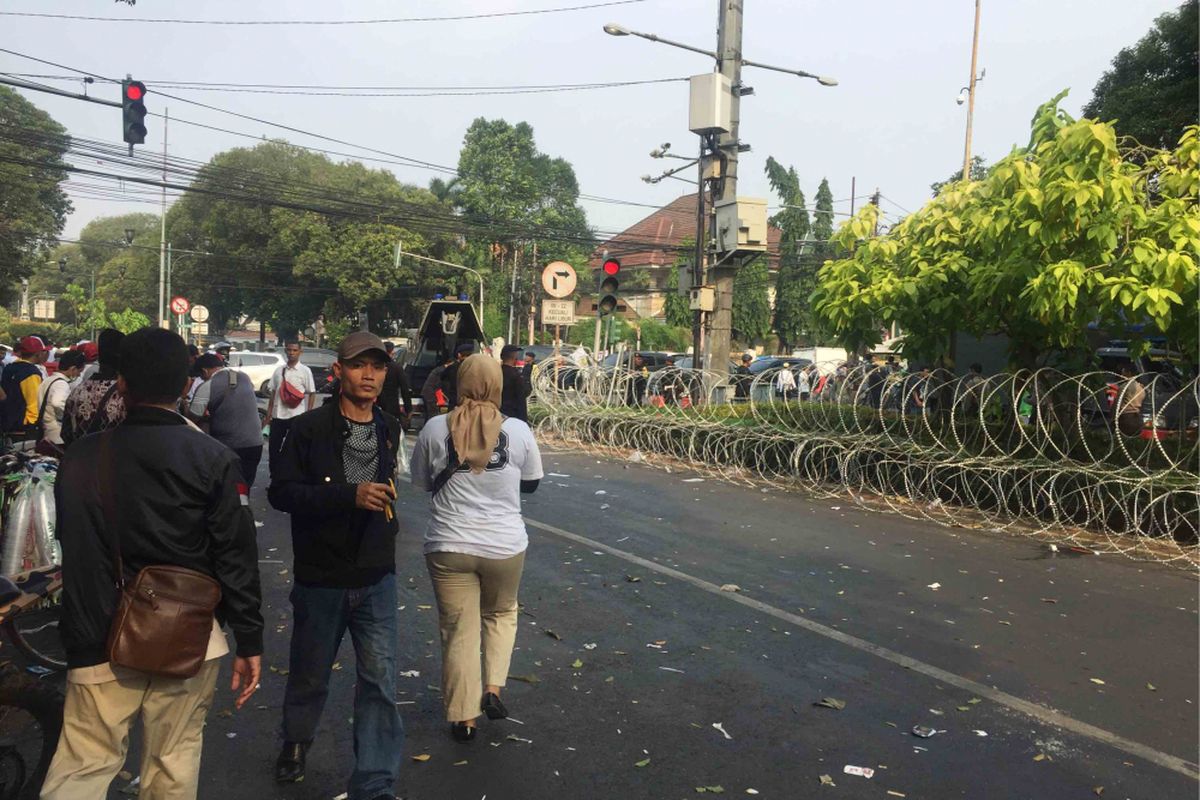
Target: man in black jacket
{"type": "Point", "coordinates": [166, 494]}
{"type": "Point", "coordinates": [336, 478]}
{"type": "Point", "coordinates": [514, 396]}
{"type": "Point", "coordinates": [396, 397]}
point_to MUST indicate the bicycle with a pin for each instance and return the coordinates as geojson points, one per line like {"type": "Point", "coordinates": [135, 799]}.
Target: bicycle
{"type": "Point", "coordinates": [31, 710]}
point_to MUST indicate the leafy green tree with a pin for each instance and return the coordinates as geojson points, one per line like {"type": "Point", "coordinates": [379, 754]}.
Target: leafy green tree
{"type": "Point", "coordinates": [979, 171]}
{"type": "Point", "coordinates": [1068, 231]}
{"type": "Point", "coordinates": [1152, 90]}
{"type": "Point", "coordinates": [677, 309]}
{"type": "Point", "coordinates": [751, 304]}
{"type": "Point", "coordinates": [33, 206]}
{"type": "Point", "coordinates": [128, 321]}
{"type": "Point", "coordinates": [792, 285]}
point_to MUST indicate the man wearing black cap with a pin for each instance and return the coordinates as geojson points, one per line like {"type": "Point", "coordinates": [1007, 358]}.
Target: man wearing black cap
{"type": "Point", "coordinates": [513, 398]}
{"type": "Point", "coordinates": [336, 478]}
{"type": "Point", "coordinates": [450, 376]}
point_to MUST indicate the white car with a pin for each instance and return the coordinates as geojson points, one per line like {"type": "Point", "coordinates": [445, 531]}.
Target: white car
{"type": "Point", "coordinates": [258, 366]}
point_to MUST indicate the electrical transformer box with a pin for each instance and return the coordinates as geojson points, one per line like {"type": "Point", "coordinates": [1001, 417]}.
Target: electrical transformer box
{"type": "Point", "coordinates": [709, 109]}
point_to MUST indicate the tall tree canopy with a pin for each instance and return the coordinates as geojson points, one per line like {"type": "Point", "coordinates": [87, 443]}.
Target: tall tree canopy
{"type": "Point", "coordinates": [979, 171]}
{"type": "Point", "coordinates": [33, 206]}
{"type": "Point", "coordinates": [751, 302]}
{"type": "Point", "coordinates": [793, 284]}
{"type": "Point", "coordinates": [1152, 89]}
{"type": "Point", "coordinates": [1071, 230]}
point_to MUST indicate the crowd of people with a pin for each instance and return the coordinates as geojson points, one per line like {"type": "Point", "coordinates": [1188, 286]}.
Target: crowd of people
{"type": "Point", "coordinates": [160, 445]}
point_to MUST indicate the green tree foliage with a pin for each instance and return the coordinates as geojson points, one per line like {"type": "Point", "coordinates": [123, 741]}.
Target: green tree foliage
{"type": "Point", "coordinates": [1065, 232]}
{"type": "Point", "coordinates": [751, 304]}
{"type": "Point", "coordinates": [526, 199]}
{"type": "Point", "coordinates": [979, 171]}
{"type": "Point", "coordinates": [677, 309]}
{"type": "Point", "coordinates": [33, 206]}
{"type": "Point", "coordinates": [286, 265]}
{"type": "Point", "coordinates": [792, 284]}
{"type": "Point", "coordinates": [1152, 90]}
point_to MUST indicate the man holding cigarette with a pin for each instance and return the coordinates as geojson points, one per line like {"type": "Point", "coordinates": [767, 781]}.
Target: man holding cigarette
{"type": "Point", "coordinates": [336, 478]}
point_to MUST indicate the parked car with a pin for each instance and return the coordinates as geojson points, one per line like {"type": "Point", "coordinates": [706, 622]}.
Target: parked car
{"type": "Point", "coordinates": [685, 362]}
{"type": "Point", "coordinates": [321, 363]}
{"type": "Point", "coordinates": [259, 367]}
{"type": "Point", "coordinates": [764, 363]}
{"type": "Point", "coordinates": [654, 360]}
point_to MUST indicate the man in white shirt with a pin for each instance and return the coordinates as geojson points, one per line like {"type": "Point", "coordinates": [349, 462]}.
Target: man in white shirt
{"type": "Point", "coordinates": [284, 406]}
{"type": "Point", "coordinates": [52, 395]}
{"type": "Point", "coordinates": [785, 382]}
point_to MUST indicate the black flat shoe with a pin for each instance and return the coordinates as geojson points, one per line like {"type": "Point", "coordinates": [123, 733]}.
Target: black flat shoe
{"type": "Point", "coordinates": [289, 767]}
{"type": "Point", "coordinates": [461, 732]}
{"type": "Point", "coordinates": [493, 707]}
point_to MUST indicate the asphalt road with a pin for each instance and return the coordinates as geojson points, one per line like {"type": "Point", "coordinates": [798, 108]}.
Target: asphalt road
{"type": "Point", "coordinates": [648, 654]}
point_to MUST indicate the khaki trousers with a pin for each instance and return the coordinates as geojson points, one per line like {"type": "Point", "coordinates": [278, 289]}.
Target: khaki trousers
{"type": "Point", "coordinates": [477, 608]}
{"type": "Point", "coordinates": [95, 735]}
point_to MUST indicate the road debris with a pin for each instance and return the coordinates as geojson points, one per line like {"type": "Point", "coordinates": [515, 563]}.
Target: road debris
{"type": "Point", "coordinates": [632, 578]}
{"type": "Point", "coordinates": [576, 664]}
{"type": "Point", "coordinates": [411, 673]}
{"type": "Point", "coordinates": [1097, 681]}
{"type": "Point", "coordinates": [514, 738]}
{"type": "Point", "coordinates": [730, 587]}
{"type": "Point", "coordinates": [827, 780]}
{"type": "Point", "coordinates": [642, 763]}
{"type": "Point", "coordinates": [671, 669]}
{"type": "Point", "coordinates": [980, 733]}
{"type": "Point", "coordinates": [923, 731]}
{"type": "Point", "coordinates": [711, 790]}
{"type": "Point", "coordinates": [862, 772]}
{"type": "Point", "coordinates": [892, 793]}
{"type": "Point", "coordinates": [831, 702]}
{"type": "Point", "coordinates": [590, 646]}
{"type": "Point", "coordinates": [935, 586]}
{"type": "Point", "coordinates": [421, 757]}
{"type": "Point", "coordinates": [720, 727]}
{"type": "Point", "coordinates": [552, 634]}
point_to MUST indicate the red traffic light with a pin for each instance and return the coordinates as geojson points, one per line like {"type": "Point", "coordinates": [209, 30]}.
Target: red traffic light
{"type": "Point", "coordinates": [611, 266]}
{"type": "Point", "coordinates": [135, 91]}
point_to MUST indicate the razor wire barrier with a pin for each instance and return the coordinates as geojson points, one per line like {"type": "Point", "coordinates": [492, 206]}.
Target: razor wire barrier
{"type": "Point", "coordinates": [1041, 452]}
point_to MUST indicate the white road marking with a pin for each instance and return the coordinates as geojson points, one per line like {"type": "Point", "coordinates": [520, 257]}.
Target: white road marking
{"type": "Point", "coordinates": [1038, 712]}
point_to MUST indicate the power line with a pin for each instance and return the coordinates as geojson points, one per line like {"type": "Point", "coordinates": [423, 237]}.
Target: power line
{"type": "Point", "coordinates": [378, 21]}
{"type": "Point", "coordinates": [317, 90]}
{"type": "Point", "coordinates": [401, 160]}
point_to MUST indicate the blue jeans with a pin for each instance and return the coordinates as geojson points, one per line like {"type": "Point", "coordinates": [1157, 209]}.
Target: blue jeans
{"type": "Point", "coordinates": [322, 616]}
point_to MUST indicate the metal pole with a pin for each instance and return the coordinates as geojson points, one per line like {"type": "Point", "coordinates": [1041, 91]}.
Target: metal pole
{"type": "Point", "coordinates": [162, 243]}
{"type": "Point", "coordinates": [512, 299]}
{"type": "Point", "coordinates": [169, 274]}
{"type": "Point", "coordinates": [853, 180]}
{"type": "Point", "coordinates": [698, 263]}
{"type": "Point", "coordinates": [92, 312]}
{"type": "Point", "coordinates": [966, 173]}
{"type": "Point", "coordinates": [729, 63]}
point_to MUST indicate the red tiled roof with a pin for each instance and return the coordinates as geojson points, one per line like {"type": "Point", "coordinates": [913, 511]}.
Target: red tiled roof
{"type": "Point", "coordinates": [654, 241]}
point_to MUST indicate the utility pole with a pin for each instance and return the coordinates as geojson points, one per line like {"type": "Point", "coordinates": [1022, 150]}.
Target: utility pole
{"type": "Point", "coordinates": [729, 64]}
{"type": "Point", "coordinates": [966, 173]}
{"type": "Point", "coordinates": [162, 243]}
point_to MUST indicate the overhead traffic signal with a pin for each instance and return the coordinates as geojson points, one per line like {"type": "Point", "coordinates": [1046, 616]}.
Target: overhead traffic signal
{"type": "Point", "coordinates": [609, 284]}
{"type": "Point", "coordinates": [133, 111]}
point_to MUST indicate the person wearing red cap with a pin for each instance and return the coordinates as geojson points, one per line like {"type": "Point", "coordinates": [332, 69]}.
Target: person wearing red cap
{"type": "Point", "coordinates": [20, 382]}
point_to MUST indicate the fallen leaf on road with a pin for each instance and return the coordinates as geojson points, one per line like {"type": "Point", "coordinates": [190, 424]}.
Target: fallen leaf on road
{"type": "Point", "coordinates": [576, 664]}
{"type": "Point", "coordinates": [935, 586]}
{"type": "Point", "coordinates": [1151, 687]}
{"type": "Point", "coordinates": [1099, 790]}
{"type": "Point", "coordinates": [525, 678]}
{"type": "Point", "coordinates": [421, 757]}
{"type": "Point", "coordinates": [1049, 600]}
{"type": "Point", "coordinates": [632, 579]}
{"type": "Point", "coordinates": [937, 712]}
{"type": "Point", "coordinates": [1040, 757]}
{"type": "Point", "coordinates": [337, 665]}
{"type": "Point", "coordinates": [831, 702]}
{"type": "Point", "coordinates": [980, 733]}
{"type": "Point", "coordinates": [730, 587]}
{"type": "Point", "coordinates": [826, 780]}
{"type": "Point", "coordinates": [553, 635]}
{"type": "Point", "coordinates": [964, 708]}
{"type": "Point", "coordinates": [642, 763]}
{"type": "Point", "coordinates": [974, 701]}
{"type": "Point", "coordinates": [1096, 681]}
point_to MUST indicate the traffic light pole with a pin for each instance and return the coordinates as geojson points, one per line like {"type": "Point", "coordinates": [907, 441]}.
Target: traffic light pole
{"type": "Point", "coordinates": [729, 63]}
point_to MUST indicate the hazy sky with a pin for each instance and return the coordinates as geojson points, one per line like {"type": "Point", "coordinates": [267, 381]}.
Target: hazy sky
{"type": "Point", "coordinates": [892, 122]}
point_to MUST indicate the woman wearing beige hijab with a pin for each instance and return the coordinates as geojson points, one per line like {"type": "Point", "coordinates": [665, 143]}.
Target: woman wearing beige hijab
{"type": "Point", "coordinates": [476, 463]}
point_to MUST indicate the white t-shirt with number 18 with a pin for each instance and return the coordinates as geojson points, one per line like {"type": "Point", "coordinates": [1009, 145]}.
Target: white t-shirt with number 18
{"type": "Point", "coordinates": [477, 514]}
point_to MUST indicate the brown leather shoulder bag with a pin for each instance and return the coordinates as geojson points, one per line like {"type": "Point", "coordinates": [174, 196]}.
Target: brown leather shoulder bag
{"type": "Point", "coordinates": [164, 618]}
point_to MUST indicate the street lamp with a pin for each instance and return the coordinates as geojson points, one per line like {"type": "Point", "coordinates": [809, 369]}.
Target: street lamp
{"type": "Point", "coordinates": [613, 29]}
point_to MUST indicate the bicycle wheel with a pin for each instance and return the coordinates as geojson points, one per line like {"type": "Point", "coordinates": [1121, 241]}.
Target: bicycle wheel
{"type": "Point", "coordinates": [30, 720]}
{"type": "Point", "coordinates": [35, 632]}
